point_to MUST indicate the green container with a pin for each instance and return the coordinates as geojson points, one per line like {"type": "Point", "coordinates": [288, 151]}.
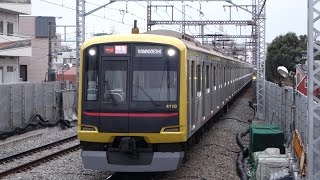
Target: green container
{"type": "Point", "coordinates": [264, 136]}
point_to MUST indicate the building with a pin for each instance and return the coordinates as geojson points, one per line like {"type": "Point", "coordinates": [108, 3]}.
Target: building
{"type": "Point", "coordinates": [13, 45]}
{"type": "Point", "coordinates": [64, 56]}
{"type": "Point", "coordinates": [38, 28]}
{"type": "Point", "coordinates": [302, 80]}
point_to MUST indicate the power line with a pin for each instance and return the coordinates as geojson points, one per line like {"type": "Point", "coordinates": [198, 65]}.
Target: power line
{"type": "Point", "coordinates": [201, 13]}
{"type": "Point", "coordinates": [121, 10]}
{"type": "Point", "coordinates": [91, 14]}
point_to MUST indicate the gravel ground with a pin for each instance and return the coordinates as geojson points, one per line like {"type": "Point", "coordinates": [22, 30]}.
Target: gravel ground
{"type": "Point", "coordinates": [36, 156]}
{"type": "Point", "coordinates": [33, 139]}
{"type": "Point", "coordinates": [213, 158]}
{"type": "Point", "coordinates": [68, 167]}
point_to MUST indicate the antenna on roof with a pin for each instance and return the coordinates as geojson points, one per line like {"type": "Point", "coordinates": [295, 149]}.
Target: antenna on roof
{"type": "Point", "coordinates": [135, 29]}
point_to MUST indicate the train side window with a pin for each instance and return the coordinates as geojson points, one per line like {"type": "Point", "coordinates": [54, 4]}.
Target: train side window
{"type": "Point", "coordinates": [224, 75]}
{"type": "Point", "coordinates": [214, 75]}
{"type": "Point", "coordinates": [188, 78]}
{"type": "Point", "coordinates": [207, 77]}
{"type": "Point", "coordinates": [192, 79]}
{"type": "Point", "coordinates": [230, 75]}
{"type": "Point", "coordinates": [198, 80]}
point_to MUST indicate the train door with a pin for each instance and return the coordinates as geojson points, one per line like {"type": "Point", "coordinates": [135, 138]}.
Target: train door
{"type": "Point", "coordinates": [223, 92]}
{"type": "Point", "coordinates": [199, 94]}
{"type": "Point", "coordinates": [211, 88]}
{"type": "Point", "coordinates": [189, 98]}
{"type": "Point", "coordinates": [214, 93]}
{"type": "Point", "coordinates": [217, 98]}
{"type": "Point", "coordinates": [114, 94]}
{"type": "Point", "coordinates": [229, 83]}
{"type": "Point", "coordinates": [1, 71]}
{"type": "Point", "coordinates": [206, 89]}
{"type": "Point", "coordinates": [193, 95]}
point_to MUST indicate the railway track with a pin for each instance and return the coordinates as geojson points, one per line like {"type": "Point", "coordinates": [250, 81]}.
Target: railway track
{"type": "Point", "coordinates": [36, 162]}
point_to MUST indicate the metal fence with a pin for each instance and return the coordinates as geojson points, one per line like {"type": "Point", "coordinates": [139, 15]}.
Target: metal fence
{"type": "Point", "coordinates": [18, 102]}
{"type": "Point", "coordinates": [279, 109]}
{"type": "Point", "coordinates": [279, 101]}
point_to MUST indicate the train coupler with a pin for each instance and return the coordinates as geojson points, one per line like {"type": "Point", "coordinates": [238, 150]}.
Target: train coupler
{"type": "Point", "coordinates": [128, 145]}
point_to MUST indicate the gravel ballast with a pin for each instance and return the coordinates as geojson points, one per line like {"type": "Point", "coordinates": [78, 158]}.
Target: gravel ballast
{"type": "Point", "coordinates": [215, 156]}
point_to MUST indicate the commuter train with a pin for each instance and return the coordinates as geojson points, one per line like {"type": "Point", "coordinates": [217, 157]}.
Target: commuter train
{"type": "Point", "coordinates": [144, 98]}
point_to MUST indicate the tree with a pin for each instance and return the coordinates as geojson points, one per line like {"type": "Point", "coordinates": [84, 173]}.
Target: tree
{"type": "Point", "coordinates": [283, 51]}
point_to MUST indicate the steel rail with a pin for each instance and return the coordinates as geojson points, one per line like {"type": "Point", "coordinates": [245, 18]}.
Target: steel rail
{"type": "Point", "coordinates": [39, 161]}
{"type": "Point", "coordinates": [36, 150]}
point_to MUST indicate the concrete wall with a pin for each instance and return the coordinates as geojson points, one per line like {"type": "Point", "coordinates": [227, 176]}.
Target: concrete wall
{"type": "Point", "coordinates": [20, 101]}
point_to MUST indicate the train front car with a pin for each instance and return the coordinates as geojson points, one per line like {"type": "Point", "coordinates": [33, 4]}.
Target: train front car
{"type": "Point", "coordinates": [130, 104]}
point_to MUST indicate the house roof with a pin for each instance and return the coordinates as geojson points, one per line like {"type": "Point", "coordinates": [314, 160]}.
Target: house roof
{"type": "Point", "coordinates": [302, 68]}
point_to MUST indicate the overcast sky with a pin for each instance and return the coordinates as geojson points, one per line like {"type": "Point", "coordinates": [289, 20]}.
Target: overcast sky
{"type": "Point", "coordinates": [282, 16]}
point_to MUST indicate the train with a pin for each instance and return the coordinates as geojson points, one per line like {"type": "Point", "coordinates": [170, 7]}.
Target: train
{"type": "Point", "coordinates": [143, 99]}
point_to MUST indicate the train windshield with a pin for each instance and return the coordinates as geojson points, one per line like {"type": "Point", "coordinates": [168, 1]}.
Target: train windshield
{"type": "Point", "coordinates": [155, 79]}
{"type": "Point", "coordinates": [114, 81]}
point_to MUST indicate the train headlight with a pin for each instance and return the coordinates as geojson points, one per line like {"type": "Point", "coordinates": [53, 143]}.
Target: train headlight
{"type": "Point", "coordinates": [171, 52]}
{"type": "Point", "coordinates": [92, 52]}
{"type": "Point", "coordinates": [254, 77]}
{"type": "Point", "coordinates": [87, 128]}
{"type": "Point", "coordinates": [171, 129]}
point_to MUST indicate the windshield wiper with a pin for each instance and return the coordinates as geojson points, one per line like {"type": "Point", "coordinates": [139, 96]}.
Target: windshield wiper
{"type": "Point", "coordinates": [114, 101]}
{"type": "Point", "coordinates": [145, 92]}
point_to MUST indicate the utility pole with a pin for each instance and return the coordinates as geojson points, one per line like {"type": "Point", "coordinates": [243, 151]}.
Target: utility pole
{"type": "Point", "coordinates": [51, 72]}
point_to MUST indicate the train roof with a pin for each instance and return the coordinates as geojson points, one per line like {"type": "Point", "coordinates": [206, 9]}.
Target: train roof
{"type": "Point", "coordinates": [135, 38]}
{"type": "Point", "coordinates": [193, 44]}
{"type": "Point", "coordinates": [179, 40]}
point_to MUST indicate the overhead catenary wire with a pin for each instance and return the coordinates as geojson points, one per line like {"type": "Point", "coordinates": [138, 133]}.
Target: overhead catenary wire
{"type": "Point", "coordinates": [70, 8]}
{"type": "Point", "coordinates": [115, 9]}
{"type": "Point", "coordinates": [203, 15]}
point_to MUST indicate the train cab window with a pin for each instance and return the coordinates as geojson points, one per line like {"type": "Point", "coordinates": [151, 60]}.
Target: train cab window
{"type": "Point", "coordinates": [207, 77]}
{"type": "Point", "coordinates": [114, 81]}
{"type": "Point", "coordinates": [91, 75]}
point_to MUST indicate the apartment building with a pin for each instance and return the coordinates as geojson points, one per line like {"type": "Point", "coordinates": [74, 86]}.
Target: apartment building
{"type": "Point", "coordinates": [38, 28]}
{"type": "Point", "coordinates": [13, 46]}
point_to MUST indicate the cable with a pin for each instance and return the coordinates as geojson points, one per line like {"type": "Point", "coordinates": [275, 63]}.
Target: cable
{"type": "Point", "coordinates": [35, 122]}
{"type": "Point", "coordinates": [126, 11]}
{"type": "Point", "coordinates": [241, 156]}
{"type": "Point", "coordinates": [201, 13]}
{"type": "Point", "coordinates": [91, 14]}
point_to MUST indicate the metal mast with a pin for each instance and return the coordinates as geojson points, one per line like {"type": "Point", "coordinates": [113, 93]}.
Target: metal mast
{"type": "Point", "coordinates": [313, 147]}
{"type": "Point", "coordinates": [254, 33]}
{"type": "Point", "coordinates": [80, 31]}
{"type": "Point", "coordinates": [261, 57]}
{"type": "Point", "coordinates": [183, 18]}
{"type": "Point", "coordinates": [148, 15]}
